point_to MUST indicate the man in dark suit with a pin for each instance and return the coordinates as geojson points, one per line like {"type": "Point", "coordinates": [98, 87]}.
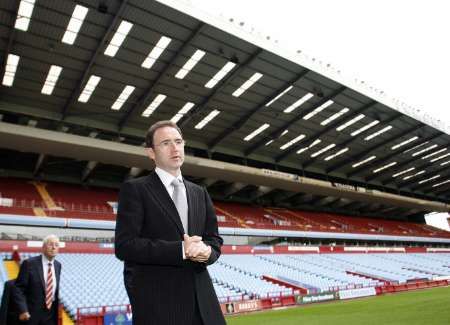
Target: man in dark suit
{"type": "Point", "coordinates": [8, 308]}
{"type": "Point", "coordinates": [167, 233]}
{"type": "Point", "coordinates": [38, 286]}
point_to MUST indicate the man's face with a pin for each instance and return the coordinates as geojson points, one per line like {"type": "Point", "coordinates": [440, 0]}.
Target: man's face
{"type": "Point", "coordinates": [51, 248]}
{"type": "Point", "coordinates": [168, 150]}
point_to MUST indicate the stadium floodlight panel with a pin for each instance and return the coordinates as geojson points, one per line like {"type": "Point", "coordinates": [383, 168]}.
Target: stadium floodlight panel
{"type": "Point", "coordinates": [75, 23]}
{"type": "Point", "coordinates": [126, 92]}
{"type": "Point", "coordinates": [284, 133]}
{"type": "Point", "coordinates": [185, 109]}
{"type": "Point", "coordinates": [413, 175]}
{"type": "Point", "coordinates": [340, 152]}
{"type": "Point", "coordinates": [118, 38]}
{"type": "Point", "coordinates": [89, 88]}
{"type": "Point", "coordinates": [445, 163]}
{"type": "Point", "coordinates": [321, 151]}
{"type": "Point", "coordinates": [434, 153]}
{"type": "Point", "coordinates": [404, 172]}
{"type": "Point", "coordinates": [362, 162]}
{"type": "Point", "coordinates": [247, 84]}
{"type": "Point", "coordinates": [373, 135]}
{"type": "Point", "coordinates": [24, 14]}
{"type": "Point", "coordinates": [384, 167]}
{"type": "Point", "coordinates": [154, 105]}
{"type": "Point", "coordinates": [51, 80]}
{"type": "Point", "coordinates": [424, 150]}
{"type": "Point", "coordinates": [364, 128]}
{"type": "Point", "coordinates": [298, 103]}
{"type": "Point", "coordinates": [269, 142]}
{"type": "Point", "coordinates": [335, 116]}
{"type": "Point", "coordinates": [207, 119]}
{"type": "Point", "coordinates": [220, 74]}
{"type": "Point", "coordinates": [440, 157]}
{"type": "Point", "coordinates": [441, 183]}
{"type": "Point", "coordinates": [10, 69]}
{"type": "Point", "coordinates": [318, 109]}
{"type": "Point", "coordinates": [293, 141]}
{"type": "Point", "coordinates": [401, 144]}
{"type": "Point", "coordinates": [190, 64]}
{"type": "Point", "coordinates": [256, 132]}
{"type": "Point", "coordinates": [426, 180]}
{"type": "Point", "coordinates": [156, 52]}
{"type": "Point", "coordinates": [279, 95]}
{"type": "Point", "coordinates": [349, 123]}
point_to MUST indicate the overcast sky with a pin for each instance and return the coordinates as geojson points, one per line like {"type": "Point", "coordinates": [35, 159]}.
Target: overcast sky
{"type": "Point", "coordinates": [401, 47]}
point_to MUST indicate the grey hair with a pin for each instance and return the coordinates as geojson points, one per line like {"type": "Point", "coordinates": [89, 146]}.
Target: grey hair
{"type": "Point", "coordinates": [48, 238]}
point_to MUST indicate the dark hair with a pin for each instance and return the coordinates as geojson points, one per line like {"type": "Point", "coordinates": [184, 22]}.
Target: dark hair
{"type": "Point", "coordinates": [160, 124]}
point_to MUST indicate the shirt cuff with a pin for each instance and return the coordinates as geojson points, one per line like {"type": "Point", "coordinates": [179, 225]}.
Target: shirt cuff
{"type": "Point", "coordinates": [182, 250]}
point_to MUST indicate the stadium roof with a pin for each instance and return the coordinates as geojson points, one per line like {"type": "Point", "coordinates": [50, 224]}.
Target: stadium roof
{"type": "Point", "coordinates": [109, 69]}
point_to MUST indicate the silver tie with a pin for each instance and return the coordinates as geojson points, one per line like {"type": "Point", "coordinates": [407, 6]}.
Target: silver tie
{"type": "Point", "coordinates": [180, 200]}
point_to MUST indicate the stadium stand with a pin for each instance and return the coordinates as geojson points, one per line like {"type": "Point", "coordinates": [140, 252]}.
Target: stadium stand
{"type": "Point", "coordinates": [91, 281]}
{"type": "Point", "coordinates": [74, 201]}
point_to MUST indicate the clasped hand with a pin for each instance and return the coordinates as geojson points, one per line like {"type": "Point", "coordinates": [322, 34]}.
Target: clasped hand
{"type": "Point", "coordinates": [195, 249]}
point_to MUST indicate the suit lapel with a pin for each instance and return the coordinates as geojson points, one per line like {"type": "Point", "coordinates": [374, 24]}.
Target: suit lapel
{"type": "Point", "coordinates": [192, 208]}
{"type": "Point", "coordinates": [159, 192]}
{"type": "Point", "coordinates": [58, 273]}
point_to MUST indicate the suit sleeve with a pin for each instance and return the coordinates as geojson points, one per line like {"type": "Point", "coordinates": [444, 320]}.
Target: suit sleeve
{"type": "Point", "coordinates": [129, 246]}
{"type": "Point", "coordinates": [21, 284]}
{"type": "Point", "coordinates": [211, 234]}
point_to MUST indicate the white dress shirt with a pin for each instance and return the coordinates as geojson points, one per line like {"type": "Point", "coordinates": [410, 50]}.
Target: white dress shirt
{"type": "Point", "coordinates": [45, 262]}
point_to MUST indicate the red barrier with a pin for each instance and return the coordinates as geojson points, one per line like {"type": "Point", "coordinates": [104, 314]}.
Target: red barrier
{"type": "Point", "coordinates": [288, 301]}
{"type": "Point", "coordinates": [411, 286]}
{"type": "Point", "coordinates": [285, 284]}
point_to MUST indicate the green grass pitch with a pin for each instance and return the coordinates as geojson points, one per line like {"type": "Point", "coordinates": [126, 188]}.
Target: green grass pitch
{"type": "Point", "coordinates": [422, 307]}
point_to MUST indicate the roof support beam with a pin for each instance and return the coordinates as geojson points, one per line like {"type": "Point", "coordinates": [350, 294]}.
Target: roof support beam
{"type": "Point", "coordinates": [134, 172]}
{"type": "Point", "coordinates": [225, 81]}
{"type": "Point", "coordinates": [39, 162]}
{"type": "Point", "coordinates": [260, 191]}
{"type": "Point", "coordinates": [149, 92]}
{"type": "Point", "coordinates": [403, 163]}
{"type": "Point", "coordinates": [207, 182]}
{"type": "Point", "coordinates": [426, 175]}
{"type": "Point", "coordinates": [239, 124]}
{"type": "Point", "coordinates": [381, 145]}
{"type": "Point", "coordinates": [366, 152]}
{"type": "Point", "coordinates": [283, 196]}
{"type": "Point", "coordinates": [90, 166]}
{"type": "Point", "coordinates": [91, 62]}
{"type": "Point", "coordinates": [233, 189]}
{"type": "Point", "coordinates": [430, 183]}
{"type": "Point", "coordinates": [350, 140]}
{"type": "Point", "coordinates": [275, 134]}
{"type": "Point", "coordinates": [327, 129]}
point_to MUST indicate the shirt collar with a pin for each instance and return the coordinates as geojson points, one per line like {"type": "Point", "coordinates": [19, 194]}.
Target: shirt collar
{"type": "Point", "coordinates": [167, 178]}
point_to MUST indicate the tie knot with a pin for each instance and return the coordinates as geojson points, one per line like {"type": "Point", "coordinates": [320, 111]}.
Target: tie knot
{"type": "Point", "coordinates": [49, 264]}
{"type": "Point", "coordinates": [177, 183]}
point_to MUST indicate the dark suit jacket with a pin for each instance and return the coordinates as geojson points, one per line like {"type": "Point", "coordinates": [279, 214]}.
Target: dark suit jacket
{"type": "Point", "coordinates": [8, 309]}
{"type": "Point", "coordinates": [31, 289]}
{"type": "Point", "coordinates": [165, 288]}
